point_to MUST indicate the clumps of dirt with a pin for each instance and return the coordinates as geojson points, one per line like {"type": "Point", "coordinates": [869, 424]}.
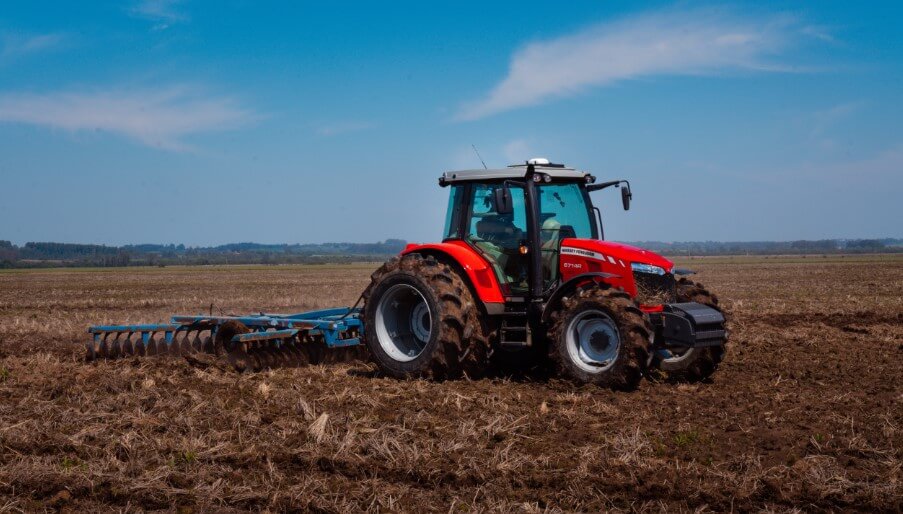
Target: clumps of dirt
{"type": "Point", "coordinates": [837, 319]}
{"type": "Point", "coordinates": [795, 418]}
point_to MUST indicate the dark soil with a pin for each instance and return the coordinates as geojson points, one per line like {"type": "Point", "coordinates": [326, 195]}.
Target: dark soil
{"type": "Point", "coordinates": [806, 411]}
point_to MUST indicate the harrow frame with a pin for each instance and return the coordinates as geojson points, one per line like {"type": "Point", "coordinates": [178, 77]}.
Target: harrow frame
{"type": "Point", "coordinates": [336, 328]}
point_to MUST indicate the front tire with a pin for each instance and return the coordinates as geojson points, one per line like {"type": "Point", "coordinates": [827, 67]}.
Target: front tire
{"type": "Point", "coordinates": [599, 336]}
{"type": "Point", "coordinates": [420, 320]}
{"type": "Point", "coordinates": [692, 364]}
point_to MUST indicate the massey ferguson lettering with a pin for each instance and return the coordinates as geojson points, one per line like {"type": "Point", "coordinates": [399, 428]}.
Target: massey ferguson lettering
{"type": "Point", "coordinates": [584, 253]}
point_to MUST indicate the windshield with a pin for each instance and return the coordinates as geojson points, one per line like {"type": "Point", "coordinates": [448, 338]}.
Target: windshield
{"type": "Point", "coordinates": [563, 209]}
{"type": "Point", "coordinates": [563, 213]}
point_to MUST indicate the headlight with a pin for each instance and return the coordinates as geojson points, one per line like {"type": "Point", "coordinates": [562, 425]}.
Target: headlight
{"type": "Point", "coordinates": [647, 268]}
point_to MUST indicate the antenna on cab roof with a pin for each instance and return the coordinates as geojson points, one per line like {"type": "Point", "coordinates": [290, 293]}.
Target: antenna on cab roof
{"type": "Point", "coordinates": [479, 156]}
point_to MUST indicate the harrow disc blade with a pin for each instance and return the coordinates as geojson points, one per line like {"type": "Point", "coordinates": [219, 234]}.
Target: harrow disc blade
{"type": "Point", "coordinates": [267, 359]}
{"type": "Point", "coordinates": [239, 358]}
{"type": "Point", "coordinates": [127, 347]}
{"type": "Point", "coordinates": [256, 364]}
{"type": "Point", "coordinates": [197, 344]}
{"type": "Point", "coordinates": [292, 355]}
{"type": "Point", "coordinates": [114, 351]}
{"type": "Point", "coordinates": [188, 344]}
{"type": "Point", "coordinates": [299, 357]}
{"type": "Point", "coordinates": [206, 344]}
{"type": "Point", "coordinates": [151, 347]}
{"type": "Point", "coordinates": [140, 348]}
{"type": "Point", "coordinates": [103, 349]}
{"type": "Point", "coordinates": [92, 348]}
{"type": "Point", "coordinates": [280, 355]}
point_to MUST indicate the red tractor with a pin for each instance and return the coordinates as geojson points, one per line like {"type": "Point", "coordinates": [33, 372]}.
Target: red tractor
{"type": "Point", "coordinates": [523, 271]}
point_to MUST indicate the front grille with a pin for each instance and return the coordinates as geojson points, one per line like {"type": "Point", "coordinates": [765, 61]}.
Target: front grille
{"type": "Point", "coordinates": [655, 289]}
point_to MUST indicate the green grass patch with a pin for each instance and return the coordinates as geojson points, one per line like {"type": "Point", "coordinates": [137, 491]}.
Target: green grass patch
{"type": "Point", "coordinates": [687, 438]}
{"type": "Point", "coordinates": [70, 463]}
{"type": "Point", "coordinates": [183, 458]}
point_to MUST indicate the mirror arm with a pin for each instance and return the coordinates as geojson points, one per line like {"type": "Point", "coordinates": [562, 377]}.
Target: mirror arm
{"type": "Point", "coordinates": [603, 185]}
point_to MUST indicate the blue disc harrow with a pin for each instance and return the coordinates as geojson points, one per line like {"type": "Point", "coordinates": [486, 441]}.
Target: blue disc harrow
{"type": "Point", "coordinates": [251, 342]}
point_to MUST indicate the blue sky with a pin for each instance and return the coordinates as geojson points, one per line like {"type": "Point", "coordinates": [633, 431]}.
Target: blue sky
{"type": "Point", "coordinates": [207, 122]}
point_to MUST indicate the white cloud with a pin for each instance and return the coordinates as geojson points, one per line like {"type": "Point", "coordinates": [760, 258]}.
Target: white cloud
{"type": "Point", "coordinates": [14, 45]}
{"type": "Point", "coordinates": [160, 117]}
{"type": "Point", "coordinates": [344, 127]}
{"type": "Point", "coordinates": [517, 151]}
{"type": "Point", "coordinates": [880, 172]}
{"type": "Point", "coordinates": [823, 120]}
{"type": "Point", "coordinates": [823, 124]}
{"type": "Point", "coordinates": [662, 43]}
{"type": "Point", "coordinates": [818, 32]}
{"type": "Point", "coordinates": [163, 12]}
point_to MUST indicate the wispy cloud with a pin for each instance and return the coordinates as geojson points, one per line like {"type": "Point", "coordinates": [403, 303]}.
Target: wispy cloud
{"type": "Point", "coordinates": [13, 45]}
{"type": "Point", "coordinates": [335, 129]}
{"type": "Point", "coordinates": [517, 151]}
{"type": "Point", "coordinates": [164, 13]}
{"type": "Point", "coordinates": [669, 42]}
{"type": "Point", "coordinates": [159, 117]}
{"type": "Point", "coordinates": [823, 124]}
{"type": "Point", "coordinates": [823, 120]}
{"type": "Point", "coordinates": [875, 173]}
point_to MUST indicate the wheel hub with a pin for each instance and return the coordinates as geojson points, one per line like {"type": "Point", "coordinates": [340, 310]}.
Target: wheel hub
{"type": "Point", "coordinates": [420, 321]}
{"type": "Point", "coordinates": [593, 341]}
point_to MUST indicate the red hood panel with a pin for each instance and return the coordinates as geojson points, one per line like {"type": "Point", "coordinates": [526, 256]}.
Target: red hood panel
{"type": "Point", "coordinates": [621, 251]}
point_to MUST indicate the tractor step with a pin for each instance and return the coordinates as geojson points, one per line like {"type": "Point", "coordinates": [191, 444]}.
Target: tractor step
{"type": "Point", "coordinates": [516, 335]}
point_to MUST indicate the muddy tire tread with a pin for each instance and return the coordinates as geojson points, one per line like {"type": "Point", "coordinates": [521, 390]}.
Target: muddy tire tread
{"type": "Point", "coordinates": [463, 344]}
{"type": "Point", "coordinates": [631, 321]}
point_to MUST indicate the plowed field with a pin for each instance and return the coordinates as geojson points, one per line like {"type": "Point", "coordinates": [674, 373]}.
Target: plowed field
{"type": "Point", "coordinates": [805, 413]}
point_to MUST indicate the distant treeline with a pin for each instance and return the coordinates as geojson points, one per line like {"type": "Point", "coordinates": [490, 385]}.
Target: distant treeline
{"type": "Point", "coordinates": [68, 254]}
{"type": "Point", "coordinates": [822, 246]}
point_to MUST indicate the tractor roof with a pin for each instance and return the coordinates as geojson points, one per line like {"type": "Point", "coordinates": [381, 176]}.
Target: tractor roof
{"type": "Point", "coordinates": [514, 171]}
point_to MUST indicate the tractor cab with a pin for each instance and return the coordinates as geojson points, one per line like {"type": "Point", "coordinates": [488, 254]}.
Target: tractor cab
{"type": "Point", "coordinates": [517, 218]}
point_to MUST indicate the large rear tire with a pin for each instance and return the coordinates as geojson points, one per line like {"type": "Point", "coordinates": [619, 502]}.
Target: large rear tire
{"type": "Point", "coordinates": [692, 364]}
{"type": "Point", "coordinates": [421, 320]}
{"type": "Point", "coordinates": [599, 336]}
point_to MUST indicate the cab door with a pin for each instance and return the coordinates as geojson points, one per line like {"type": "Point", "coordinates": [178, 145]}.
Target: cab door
{"type": "Point", "coordinates": [499, 237]}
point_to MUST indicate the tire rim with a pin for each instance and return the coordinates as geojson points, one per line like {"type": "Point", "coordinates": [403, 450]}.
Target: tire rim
{"type": "Point", "coordinates": [403, 322]}
{"type": "Point", "coordinates": [593, 341]}
{"type": "Point", "coordinates": [675, 355]}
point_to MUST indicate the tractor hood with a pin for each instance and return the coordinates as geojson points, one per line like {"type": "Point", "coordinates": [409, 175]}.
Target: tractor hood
{"type": "Point", "coordinates": [621, 252]}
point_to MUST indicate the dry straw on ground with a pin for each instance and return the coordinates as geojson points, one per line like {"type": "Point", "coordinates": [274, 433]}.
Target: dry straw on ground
{"type": "Point", "coordinates": [805, 413]}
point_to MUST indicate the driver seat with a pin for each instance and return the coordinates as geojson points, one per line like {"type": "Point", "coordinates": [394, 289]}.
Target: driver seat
{"type": "Point", "coordinates": [495, 228]}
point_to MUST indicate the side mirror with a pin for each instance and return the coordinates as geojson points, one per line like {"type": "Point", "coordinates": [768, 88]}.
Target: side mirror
{"type": "Point", "coordinates": [626, 196]}
{"type": "Point", "coordinates": [503, 203]}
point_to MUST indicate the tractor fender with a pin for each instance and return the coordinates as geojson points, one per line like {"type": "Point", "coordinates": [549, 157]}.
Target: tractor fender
{"type": "Point", "coordinates": [480, 275]}
{"type": "Point", "coordinates": [569, 286]}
